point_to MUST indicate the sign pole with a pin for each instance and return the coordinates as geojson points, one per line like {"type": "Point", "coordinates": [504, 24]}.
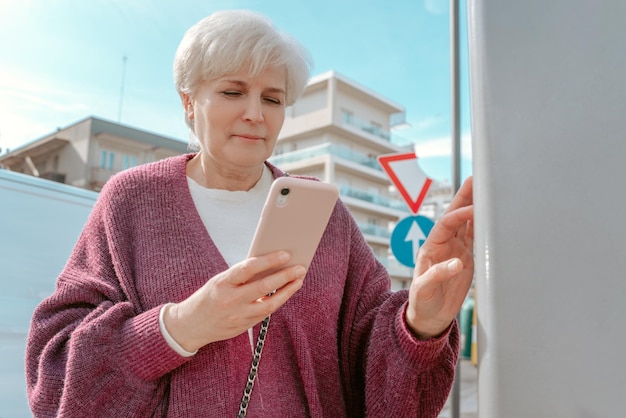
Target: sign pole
{"type": "Point", "coordinates": [456, 157]}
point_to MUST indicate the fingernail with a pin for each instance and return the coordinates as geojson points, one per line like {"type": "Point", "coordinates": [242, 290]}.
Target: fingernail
{"type": "Point", "coordinates": [454, 265]}
{"type": "Point", "coordinates": [283, 256]}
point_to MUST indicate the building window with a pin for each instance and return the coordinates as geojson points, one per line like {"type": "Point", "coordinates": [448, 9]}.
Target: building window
{"type": "Point", "coordinates": [107, 158]}
{"type": "Point", "coordinates": [347, 116]}
{"type": "Point", "coordinates": [129, 161]}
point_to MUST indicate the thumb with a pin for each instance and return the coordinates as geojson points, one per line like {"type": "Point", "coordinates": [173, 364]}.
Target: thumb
{"type": "Point", "coordinates": [454, 266]}
{"type": "Point", "coordinates": [442, 271]}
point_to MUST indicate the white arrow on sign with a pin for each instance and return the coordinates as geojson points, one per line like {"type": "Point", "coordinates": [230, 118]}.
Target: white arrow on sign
{"type": "Point", "coordinates": [415, 235]}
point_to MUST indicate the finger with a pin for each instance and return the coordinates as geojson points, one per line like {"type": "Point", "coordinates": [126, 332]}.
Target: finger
{"type": "Point", "coordinates": [443, 275]}
{"type": "Point", "coordinates": [268, 285]}
{"type": "Point", "coordinates": [428, 283]}
{"type": "Point", "coordinates": [464, 196]}
{"type": "Point", "coordinates": [445, 270]}
{"type": "Point", "coordinates": [249, 268]}
{"type": "Point", "coordinates": [450, 224]}
{"type": "Point", "coordinates": [269, 304]}
{"type": "Point", "coordinates": [469, 235]}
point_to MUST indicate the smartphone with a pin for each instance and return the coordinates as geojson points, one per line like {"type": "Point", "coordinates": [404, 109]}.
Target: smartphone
{"type": "Point", "coordinates": [294, 218]}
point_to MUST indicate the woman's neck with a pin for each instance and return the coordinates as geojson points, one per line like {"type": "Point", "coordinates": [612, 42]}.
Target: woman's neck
{"type": "Point", "coordinates": [215, 176]}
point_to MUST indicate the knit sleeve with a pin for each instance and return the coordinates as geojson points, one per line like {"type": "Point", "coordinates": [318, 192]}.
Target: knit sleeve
{"type": "Point", "coordinates": [391, 372]}
{"type": "Point", "coordinates": [92, 349]}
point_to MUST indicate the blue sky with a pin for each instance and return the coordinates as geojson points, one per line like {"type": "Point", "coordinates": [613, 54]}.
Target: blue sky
{"type": "Point", "coordinates": [62, 60]}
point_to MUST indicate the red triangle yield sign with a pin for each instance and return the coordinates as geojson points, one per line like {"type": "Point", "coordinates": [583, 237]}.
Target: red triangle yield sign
{"type": "Point", "coordinates": [407, 176]}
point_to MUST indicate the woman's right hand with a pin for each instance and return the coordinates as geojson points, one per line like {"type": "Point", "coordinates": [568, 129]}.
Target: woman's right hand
{"type": "Point", "coordinates": [231, 302]}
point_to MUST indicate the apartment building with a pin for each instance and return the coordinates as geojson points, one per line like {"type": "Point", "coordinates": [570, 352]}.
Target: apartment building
{"type": "Point", "coordinates": [335, 132]}
{"type": "Point", "coordinates": [87, 153]}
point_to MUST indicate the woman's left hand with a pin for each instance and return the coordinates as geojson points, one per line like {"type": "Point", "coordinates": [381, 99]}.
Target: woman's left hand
{"type": "Point", "coordinates": [444, 268]}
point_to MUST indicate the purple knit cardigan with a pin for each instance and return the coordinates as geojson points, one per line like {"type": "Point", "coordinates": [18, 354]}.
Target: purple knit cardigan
{"type": "Point", "coordinates": [339, 347]}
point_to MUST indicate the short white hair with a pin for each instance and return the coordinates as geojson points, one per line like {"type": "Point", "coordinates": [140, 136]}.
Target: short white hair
{"type": "Point", "coordinates": [228, 41]}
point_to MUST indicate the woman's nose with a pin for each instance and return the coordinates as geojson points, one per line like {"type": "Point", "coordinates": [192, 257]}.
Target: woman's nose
{"type": "Point", "coordinates": [254, 110]}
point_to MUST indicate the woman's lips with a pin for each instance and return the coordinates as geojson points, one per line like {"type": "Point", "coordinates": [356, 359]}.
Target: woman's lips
{"type": "Point", "coordinates": [250, 137]}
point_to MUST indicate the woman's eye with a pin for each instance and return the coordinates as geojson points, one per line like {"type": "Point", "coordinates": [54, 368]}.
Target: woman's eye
{"type": "Point", "coordinates": [272, 100]}
{"type": "Point", "coordinates": [232, 93]}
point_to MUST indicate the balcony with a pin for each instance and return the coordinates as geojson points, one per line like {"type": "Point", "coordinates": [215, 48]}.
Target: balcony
{"type": "Point", "coordinates": [374, 230]}
{"type": "Point", "coordinates": [350, 119]}
{"type": "Point", "coordinates": [372, 198]}
{"type": "Point", "coordinates": [339, 151]}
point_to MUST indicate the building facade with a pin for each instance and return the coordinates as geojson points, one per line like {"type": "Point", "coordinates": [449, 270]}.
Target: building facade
{"type": "Point", "coordinates": [87, 153]}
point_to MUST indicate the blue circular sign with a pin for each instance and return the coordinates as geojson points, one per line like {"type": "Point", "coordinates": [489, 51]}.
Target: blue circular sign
{"type": "Point", "coordinates": [408, 236]}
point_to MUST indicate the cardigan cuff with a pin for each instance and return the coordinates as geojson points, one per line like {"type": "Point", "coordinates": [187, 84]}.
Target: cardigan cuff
{"type": "Point", "coordinates": [424, 352]}
{"type": "Point", "coordinates": [143, 348]}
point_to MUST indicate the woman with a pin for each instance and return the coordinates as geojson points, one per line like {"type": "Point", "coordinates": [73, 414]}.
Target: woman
{"type": "Point", "coordinates": [155, 313]}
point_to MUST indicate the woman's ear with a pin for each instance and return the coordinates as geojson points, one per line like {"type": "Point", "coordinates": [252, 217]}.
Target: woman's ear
{"type": "Point", "coordinates": [187, 105]}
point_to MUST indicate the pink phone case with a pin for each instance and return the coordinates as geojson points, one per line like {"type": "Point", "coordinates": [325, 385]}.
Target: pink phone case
{"type": "Point", "coordinates": [294, 218]}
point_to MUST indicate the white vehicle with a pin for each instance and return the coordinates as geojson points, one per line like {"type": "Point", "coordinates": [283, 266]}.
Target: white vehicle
{"type": "Point", "coordinates": [40, 221]}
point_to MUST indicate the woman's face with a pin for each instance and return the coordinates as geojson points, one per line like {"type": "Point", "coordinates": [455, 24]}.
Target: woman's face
{"type": "Point", "coordinates": [237, 117]}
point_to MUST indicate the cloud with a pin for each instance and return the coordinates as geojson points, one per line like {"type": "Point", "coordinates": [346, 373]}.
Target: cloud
{"type": "Point", "coordinates": [26, 100]}
{"type": "Point", "coordinates": [31, 107]}
{"type": "Point", "coordinates": [428, 122]}
{"type": "Point", "coordinates": [30, 92]}
{"type": "Point", "coordinates": [442, 147]}
{"type": "Point", "coordinates": [438, 7]}
{"type": "Point", "coordinates": [435, 157]}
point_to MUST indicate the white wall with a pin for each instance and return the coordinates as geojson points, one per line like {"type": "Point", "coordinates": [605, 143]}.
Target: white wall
{"type": "Point", "coordinates": [548, 115]}
{"type": "Point", "coordinates": [39, 224]}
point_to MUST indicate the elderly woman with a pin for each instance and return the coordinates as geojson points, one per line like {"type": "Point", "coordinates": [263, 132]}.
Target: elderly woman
{"type": "Point", "coordinates": [155, 313]}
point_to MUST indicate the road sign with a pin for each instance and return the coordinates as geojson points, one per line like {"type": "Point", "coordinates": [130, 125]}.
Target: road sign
{"type": "Point", "coordinates": [406, 174]}
{"type": "Point", "coordinates": [408, 236]}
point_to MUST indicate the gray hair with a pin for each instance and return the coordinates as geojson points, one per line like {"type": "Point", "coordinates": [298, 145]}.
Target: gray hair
{"type": "Point", "coordinates": [226, 42]}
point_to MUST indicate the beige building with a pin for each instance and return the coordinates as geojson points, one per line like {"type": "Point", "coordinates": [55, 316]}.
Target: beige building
{"type": "Point", "coordinates": [87, 153]}
{"type": "Point", "coordinates": [335, 132]}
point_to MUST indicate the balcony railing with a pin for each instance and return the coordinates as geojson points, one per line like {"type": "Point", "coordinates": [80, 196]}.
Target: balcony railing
{"type": "Point", "coordinates": [327, 149]}
{"type": "Point", "coordinates": [375, 230]}
{"type": "Point", "coordinates": [372, 198]}
{"type": "Point", "coordinates": [350, 119]}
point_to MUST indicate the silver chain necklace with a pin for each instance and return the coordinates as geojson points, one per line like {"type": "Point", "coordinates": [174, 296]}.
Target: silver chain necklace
{"type": "Point", "coordinates": [254, 368]}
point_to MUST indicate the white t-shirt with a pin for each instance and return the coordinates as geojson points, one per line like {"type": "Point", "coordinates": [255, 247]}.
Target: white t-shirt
{"type": "Point", "coordinates": [231, 216]}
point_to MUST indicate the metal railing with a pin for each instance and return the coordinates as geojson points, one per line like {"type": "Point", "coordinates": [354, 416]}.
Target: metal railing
{"type": "Point", "coordinates": [375, 130]}
{"type": "Point", "coordinates": [375, 230]}
{"type": "Point", "coordinates": [372, 198]}
{"type": "Point", "coordinates": [327, 149]}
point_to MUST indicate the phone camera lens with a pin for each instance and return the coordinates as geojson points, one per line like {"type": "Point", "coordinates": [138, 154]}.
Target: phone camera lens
{"type": "Point", "coordinates": [284, 191]}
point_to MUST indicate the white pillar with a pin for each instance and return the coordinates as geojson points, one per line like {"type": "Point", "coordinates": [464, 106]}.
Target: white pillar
{"type": "Point", "coordinates": [548, 111]}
